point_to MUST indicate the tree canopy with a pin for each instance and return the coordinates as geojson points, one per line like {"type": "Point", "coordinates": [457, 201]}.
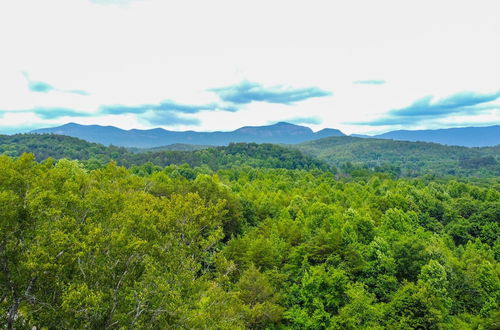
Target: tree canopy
{"type": "Point", "coordinates": [243, 247]}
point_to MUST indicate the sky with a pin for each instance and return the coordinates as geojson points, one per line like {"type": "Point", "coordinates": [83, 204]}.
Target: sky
{"type": "Point", "coordinates": [359, 66]}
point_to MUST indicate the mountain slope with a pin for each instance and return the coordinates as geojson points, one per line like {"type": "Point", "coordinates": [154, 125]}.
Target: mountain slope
{"type": "Point", "coordinates": [463, 136]}
{"type": "Point", "coordinates": [55, 146]}
{"type": "Point", "coordinates": [277, 133]}
{"type": "Point", "coordinates": [94, 155]}
{"type": "Point", "coordinates": [413, 158]}
{"type": "Point", "coordinates": [402, 158]}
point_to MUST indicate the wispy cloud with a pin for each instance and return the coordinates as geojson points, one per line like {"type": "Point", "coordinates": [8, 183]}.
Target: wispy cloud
{"type": "Point", "coordinates": [369, 82]}
{"type": "Point", "coordinates": [40, 87]}
{"type": "Point", "coordinates": [164, 113]}
{"type": "Point", "coordinates": [54, 113]}
{"type": "Point", "coordinates": [459, 102]}
{"type": "Point", "coordinates": [171, 119]}
{"type": "Point", "coordinates": [169, 112]}
{"type": "Point", "coordinates": [247, 92]}
{"type": "Point", "coordinates": [16, 129]}
{"type": "Point", "coordinates": [50, 112]}
{"type": "Point", "coordinates": [44, 87]}
{"type": "Point", "coordinates": [165, 106]}
{"type": "Point", "coordinates": [75, 91]}
{"type": "Point", "coordinates": [304, 120]}
{"type": "Point", "coordinates": [465, 103]}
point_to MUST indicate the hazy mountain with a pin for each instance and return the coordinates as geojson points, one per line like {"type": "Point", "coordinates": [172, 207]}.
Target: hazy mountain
{"type": "Point", "coordinates": [172, 147]}
{"type": "Point", "coordinates": [360, 135]}
{"type": "Point", "coordinates": [463, 136]}
{"type": "Point", "coordinates": [277, 133]}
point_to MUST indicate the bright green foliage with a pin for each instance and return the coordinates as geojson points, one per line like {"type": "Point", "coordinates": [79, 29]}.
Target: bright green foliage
{"type": "Point", "coordinates": [260, 248]}
{"type": "Point", "coordinates": [260, 302]}
{"type": "Point", "coordinates": [360, 311]}
{"type": "Point", "coordinates": [360, 157]}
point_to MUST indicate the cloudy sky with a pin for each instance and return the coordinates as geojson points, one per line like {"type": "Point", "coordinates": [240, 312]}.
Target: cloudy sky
{"type": "Point", "coordinates": [360, 66]}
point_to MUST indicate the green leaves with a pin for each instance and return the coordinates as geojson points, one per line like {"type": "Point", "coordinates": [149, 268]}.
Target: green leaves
{"type": "Point", "coordinates": [184, 247]}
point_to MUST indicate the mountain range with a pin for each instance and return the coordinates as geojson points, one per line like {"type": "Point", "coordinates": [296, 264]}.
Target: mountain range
{"type": "Point", "coordinates": [279, 133]}
{"type": "Point", "coordinates": [460, 136]}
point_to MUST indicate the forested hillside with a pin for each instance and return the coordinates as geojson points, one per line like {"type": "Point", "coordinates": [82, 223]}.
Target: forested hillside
{"type": "Point", "coordinates": [405, 158]}
{"type": "Point", "coordinates": [347, 156]}
{"type": "Point", "coordinates": [94, 155]}
{"type": "Point", "coordinates": [457, 136]}
{"type": "Point", "coordinates": [55, 146]}
{"type": "Point", "coordinates": [243, 248]}
{"type": "Point", "coordinates": [175, 146]}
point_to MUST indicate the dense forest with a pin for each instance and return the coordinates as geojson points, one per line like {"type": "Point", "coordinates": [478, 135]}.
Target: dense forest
{"type": "Point", "coordinates": [94, 155]}
{"type": "Point", "coordinates": [347, 156]}
{"type": "Point", "coordinates": [246, 236]}
{"type": "Point", "coordinates": [406, 158]}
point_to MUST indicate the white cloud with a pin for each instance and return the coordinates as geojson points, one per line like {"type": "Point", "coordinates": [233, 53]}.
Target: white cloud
{"type": "Point", "coordinates": [142, 52]}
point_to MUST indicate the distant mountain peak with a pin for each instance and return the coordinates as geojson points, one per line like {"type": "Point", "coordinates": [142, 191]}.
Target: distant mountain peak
{"type": "Point", "coordinates": [327, 132]}
{"type": "Point", "coordinates": [71, 124]}
{"type": "Point", "coordinates": [280, 128]}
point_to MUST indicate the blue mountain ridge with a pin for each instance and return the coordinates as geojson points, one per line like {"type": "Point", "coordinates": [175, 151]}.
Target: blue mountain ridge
{"type": "Point", "coordinates": [283, 133]}
{"type": "Point", "coordinates": [460, 136]}
{"type": "Point", "coordinates": [278, 133]}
